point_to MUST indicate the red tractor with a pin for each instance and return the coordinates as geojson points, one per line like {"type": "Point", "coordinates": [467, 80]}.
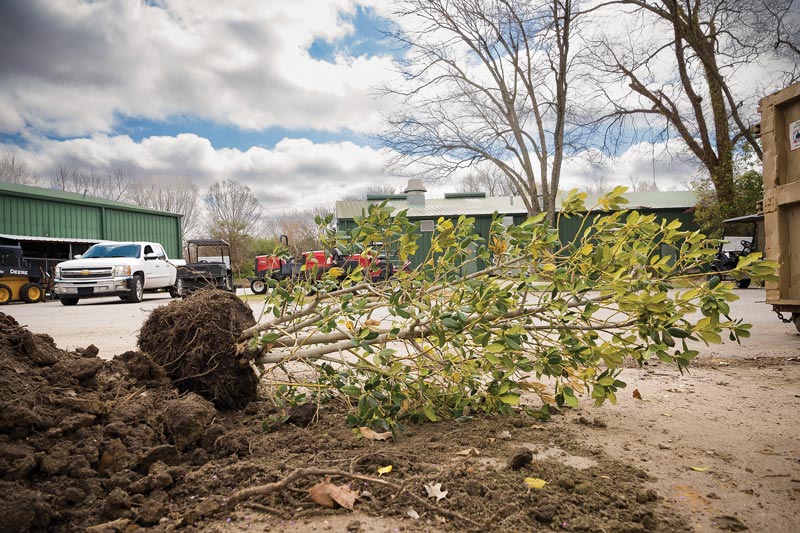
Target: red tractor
{"type": "Point", "coordinates": [314, 264]}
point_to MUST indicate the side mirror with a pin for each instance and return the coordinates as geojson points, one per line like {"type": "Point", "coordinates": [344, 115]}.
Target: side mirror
{"type": "Point", "coordinates": [76, 256]}
{"type": "Point", "coordinates": [150, 256]}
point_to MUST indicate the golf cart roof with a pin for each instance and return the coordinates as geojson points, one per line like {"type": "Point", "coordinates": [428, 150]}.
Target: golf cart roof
{"type": "Point", "coordinates": [207, 242]}
{"type": "Point", "coordinates": [747, 218]}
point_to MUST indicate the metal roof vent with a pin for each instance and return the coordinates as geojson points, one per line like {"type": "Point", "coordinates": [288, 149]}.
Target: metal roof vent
{"type": "Point", "coordinates": [416, 192]}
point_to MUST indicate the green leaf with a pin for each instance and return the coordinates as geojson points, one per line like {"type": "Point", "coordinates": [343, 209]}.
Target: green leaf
{"type": "Point", "coordinates": [429, 412]}
{"type": "Point", "coordinates": [510, 399]}
{"type": "Point", "coordinates": [678, 333]}
{"type": "Point", "coordinates": [451, 323]}
{"type": "Point", "coordinates": [496, 347]}
{"type": "Point", "coordinates": [569, 397]}
{"type": "Point", "coordinates": [606, 381]}
{"type": "Point", "coordinates": [268, 338]}
{"type": "Point", "coordinates": [351, 390]}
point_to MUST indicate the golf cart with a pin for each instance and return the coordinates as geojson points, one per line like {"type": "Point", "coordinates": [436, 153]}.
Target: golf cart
{"type": "Point", "coordinates": [740, 238]}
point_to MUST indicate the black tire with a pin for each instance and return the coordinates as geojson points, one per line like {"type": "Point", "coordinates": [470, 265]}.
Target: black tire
{"type": "Point", "coordinates": [258, 286]}
{"type": "Point", "coordinates": [31, 293]}
{"type": "Point", "coordinates": [796, 318]}
{"type": "Point", "coordinates": [175, 290]}
{"type": "Point", "coordinates": [5, 294]}
{"type": "Point", "coordinates": [137, 290]}
{"type": "Point", "coordinates": [65, 300]}
{"type": "Point", "coordinates": [743, 283]}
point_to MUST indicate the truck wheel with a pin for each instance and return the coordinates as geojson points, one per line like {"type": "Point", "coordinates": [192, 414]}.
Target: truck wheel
{"type": "Point", "coordinates": [68, 301]}
{"type": "Point", "coordinates": [175, 291]}
{"type": "Point", "coordinates": [5, 294]}
{"type": "Point", "coordinates": [137, 290]}
{"type": "Point", "coordinates": [743, 283]}
{"type": "Point", "coordinates": [258, 286]}
{"type": "Point", "coordinates": [31, 293]}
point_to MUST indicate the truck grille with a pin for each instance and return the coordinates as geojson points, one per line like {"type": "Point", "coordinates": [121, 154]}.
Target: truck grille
{"type": "Point", "coordinates": [86, 273]}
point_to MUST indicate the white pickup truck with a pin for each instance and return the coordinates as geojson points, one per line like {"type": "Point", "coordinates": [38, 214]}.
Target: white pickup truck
{"type": "Point", "coordinates": [124, 269]}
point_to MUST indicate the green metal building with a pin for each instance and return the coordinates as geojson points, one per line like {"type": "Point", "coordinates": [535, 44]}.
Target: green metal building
{"type": "Point", "coordinates": [52, 226]}
{"type": "Point", "coordinates": [672, 205]}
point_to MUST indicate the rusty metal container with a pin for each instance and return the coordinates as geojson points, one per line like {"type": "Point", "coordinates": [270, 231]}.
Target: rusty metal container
{"type": "Point", "coordinates": [780, 137]}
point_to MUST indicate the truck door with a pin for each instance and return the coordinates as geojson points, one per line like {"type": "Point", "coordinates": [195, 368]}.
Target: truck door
{"type": "Point", "coordinates": [155, 270]}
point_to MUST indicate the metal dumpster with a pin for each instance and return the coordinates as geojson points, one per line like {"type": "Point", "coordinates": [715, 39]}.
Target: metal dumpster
{"type": "Point", "coordinates": [780, 137]}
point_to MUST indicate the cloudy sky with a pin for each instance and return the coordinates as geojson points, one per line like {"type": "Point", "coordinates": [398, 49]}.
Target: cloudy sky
{"type": "Point", "coordinates": [280, 95]}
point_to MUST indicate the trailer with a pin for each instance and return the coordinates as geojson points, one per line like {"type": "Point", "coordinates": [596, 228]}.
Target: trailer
{"type": "Point", "coordinates": [208, 266]}
{"type": "Point", "coordinates": [780, 138]}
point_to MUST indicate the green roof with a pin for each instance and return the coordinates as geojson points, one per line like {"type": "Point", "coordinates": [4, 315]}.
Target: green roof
{"type": "Point", "coordinates": [14, 189]}
{"type": "Point", "coordinates": [509, 205]}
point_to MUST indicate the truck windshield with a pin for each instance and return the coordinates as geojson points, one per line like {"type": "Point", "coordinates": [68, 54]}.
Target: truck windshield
{"type": "Point", "coordinates": [112, 250]}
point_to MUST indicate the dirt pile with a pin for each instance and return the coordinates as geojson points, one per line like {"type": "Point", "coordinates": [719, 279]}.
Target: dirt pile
{"type": "Point", "coordinates": [83, 440]}
{"type": "Point", "coordinates": [194, 340]}
{"type": "Point", "coordinates": [86, 442]}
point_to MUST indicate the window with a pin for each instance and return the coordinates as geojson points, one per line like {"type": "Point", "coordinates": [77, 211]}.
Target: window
{"type": "Point", "coordinates": [508, 221]}
{"type": "Point", "coordinates": [113, 250]}
{"type": "Point", "coordinates": [426, 226]}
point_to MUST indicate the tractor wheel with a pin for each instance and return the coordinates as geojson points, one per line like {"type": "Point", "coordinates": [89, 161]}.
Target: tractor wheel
{"type": "Point", "coordinates": [743, 283]}
{"type": "Point", "coordinates": [258, 286]}
{"type": "Point", "coordinates": [137, 290]}
{"type": "Point", "coordinates": [31, 293]}
{"type": "Point", "coordinates": [69, 301]}
{"type": "Point", "coordinates": [5, 294]}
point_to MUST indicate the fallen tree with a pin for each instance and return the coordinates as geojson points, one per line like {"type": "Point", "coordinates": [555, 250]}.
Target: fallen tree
{"type": "Point", "coordinates": [536, 315]}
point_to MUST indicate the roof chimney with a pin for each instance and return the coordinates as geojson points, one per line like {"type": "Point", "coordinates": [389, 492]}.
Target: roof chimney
{"type": "Point", "coordinates": [416, 192]}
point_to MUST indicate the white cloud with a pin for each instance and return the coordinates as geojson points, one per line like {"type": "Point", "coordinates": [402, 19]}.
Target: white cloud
{"type": "Point", "coordinates": [71, 67]}
{"type": "Point", "coordinates": [295, 173]}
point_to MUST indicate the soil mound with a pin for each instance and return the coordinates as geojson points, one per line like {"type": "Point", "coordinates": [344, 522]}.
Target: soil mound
{"type": "Point", "coordinates": [73, 430]}
{"type": "Point", "coordinates": [194, 340]}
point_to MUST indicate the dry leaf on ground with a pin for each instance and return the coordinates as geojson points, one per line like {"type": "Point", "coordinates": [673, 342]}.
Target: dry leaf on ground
{"type": "Point", "coordinates": [326, 494]}
{"type": "Point", "coordinates": [535, 483]}
{"type": "Point", "coordinates": [369, 434]}
{"type": "Point", "coordinates": [434, 490]}
{"type": "Point", "coordinates": [469, 451]}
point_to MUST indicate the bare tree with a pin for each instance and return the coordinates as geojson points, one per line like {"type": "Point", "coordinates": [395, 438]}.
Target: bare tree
{"type": "Point", "coordinates": [490, 180]}
{"type": "Point", "coordinates": [678, 68]}
{"type": "Point", "coordinates": [781, 19]}
{"type": "Point", "coordinates": [175, 195]}
{"type": "Point", "coordinates": [375, 188]}
{"type": "Point", "coordinates": [13, 168]}
{"type": "Point", "coordinates": [112, 185]}
{"type": "Point", "coordinates": [643, 185]}
{"type": "Point", "coordinates": [70, 177]}
{"type": "Point", "coordinates": [300, 227]}
{"type": "Point", "coordinates": [233, 214]}
{"type": "Point", "coordinates": [487, 81]}
{"type": "Point", "coordinates": [115, 185]}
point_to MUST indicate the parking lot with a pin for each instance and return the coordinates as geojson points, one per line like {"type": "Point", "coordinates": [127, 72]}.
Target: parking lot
{"type": "Point", "coordinates": [109, 323]}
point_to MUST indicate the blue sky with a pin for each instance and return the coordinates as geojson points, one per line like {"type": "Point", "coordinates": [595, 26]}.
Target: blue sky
{"type": "Point", "coordinates": [366, 40]}
{"type": "Point", "coordinates": [280, 95]}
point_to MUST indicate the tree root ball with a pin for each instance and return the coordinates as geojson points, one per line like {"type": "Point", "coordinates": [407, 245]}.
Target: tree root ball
{"type": "Point", "coordinates": [194, 340]}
